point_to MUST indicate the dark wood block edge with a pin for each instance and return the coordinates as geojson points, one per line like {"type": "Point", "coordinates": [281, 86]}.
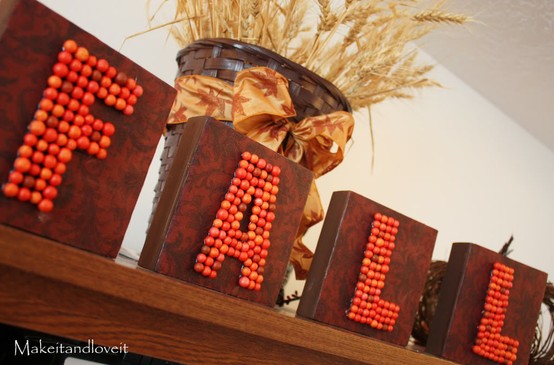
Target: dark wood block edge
{"type": "Point", "coordinates": [447, 298]}
{"type": "Point", "coordinates": [318, 270]}
{"type": "Point", "coordinates": [169, 200]}
{"type": "Point", "coordinates": [142, 298]}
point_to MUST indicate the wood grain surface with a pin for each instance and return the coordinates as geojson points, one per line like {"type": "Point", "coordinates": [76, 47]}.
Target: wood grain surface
{"type": "Point", "coordinates": [67, 292]}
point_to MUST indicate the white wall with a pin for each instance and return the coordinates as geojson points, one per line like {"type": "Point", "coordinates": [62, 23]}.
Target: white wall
{"type": "Point", "coordinates": [453, 161]}
{"type": "Point", "coordinates": [448, 158]}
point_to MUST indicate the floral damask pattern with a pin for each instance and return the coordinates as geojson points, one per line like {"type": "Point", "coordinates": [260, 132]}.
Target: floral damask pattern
{"type": "Point", "coordinates": [259, 105]}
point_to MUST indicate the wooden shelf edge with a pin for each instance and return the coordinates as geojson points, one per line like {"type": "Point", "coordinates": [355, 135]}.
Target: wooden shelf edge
{"type": "Point", "coordinates": [50, 287]}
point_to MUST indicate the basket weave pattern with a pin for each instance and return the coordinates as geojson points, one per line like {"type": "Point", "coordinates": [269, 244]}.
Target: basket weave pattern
{"type": "Point", "coordinates": [224, 58]}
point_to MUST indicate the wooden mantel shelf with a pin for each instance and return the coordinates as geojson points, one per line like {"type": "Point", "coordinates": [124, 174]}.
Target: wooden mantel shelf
{"type": "Point", "coordinates": [53, 288]}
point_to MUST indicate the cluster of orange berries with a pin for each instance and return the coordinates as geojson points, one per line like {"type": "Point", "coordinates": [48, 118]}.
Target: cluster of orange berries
{"type": "Point", "coordinates": [63, 123]}
{"type": "Point", "coordinates": [490, 343]}
{"type": "Point", "coordinates": [255, 181]}
{"type": "Point", "coordinates": [367, 307]}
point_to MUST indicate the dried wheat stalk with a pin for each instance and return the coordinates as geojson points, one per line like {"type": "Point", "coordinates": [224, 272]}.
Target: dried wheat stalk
{"type": "Point", "coordinates": [362, 46]}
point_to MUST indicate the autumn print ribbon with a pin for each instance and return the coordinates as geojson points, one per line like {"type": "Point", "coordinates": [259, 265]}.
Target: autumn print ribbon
{"type": "Point", "coordinates": [259, 105]}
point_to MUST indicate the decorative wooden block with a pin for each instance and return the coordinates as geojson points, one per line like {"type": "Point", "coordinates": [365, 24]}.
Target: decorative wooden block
{"type": "Point", "coordinates": [462, 299]}
{"type": "Point", "coordinates": [204, 167]}
{"type": "Point", "coordinates": [338, 269]}
{"type": "Point", "coordinates": [97, 195]}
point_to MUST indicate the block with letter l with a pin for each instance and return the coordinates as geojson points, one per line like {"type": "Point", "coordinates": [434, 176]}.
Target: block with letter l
{"type": "Point", "coordinates": [488, 308]}
{"type": "Point", "coordinates": [368, 270]}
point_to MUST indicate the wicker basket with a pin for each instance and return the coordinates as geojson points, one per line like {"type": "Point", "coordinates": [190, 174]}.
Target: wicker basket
{"type": "Point", "coordinates": [223, 58]}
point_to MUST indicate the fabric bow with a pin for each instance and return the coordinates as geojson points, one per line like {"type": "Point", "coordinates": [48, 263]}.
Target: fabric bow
{"type": "Point", "coordinates": [259, 105]}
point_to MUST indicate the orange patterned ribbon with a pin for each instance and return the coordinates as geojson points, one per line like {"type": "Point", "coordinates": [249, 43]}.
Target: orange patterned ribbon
{"type": "Point", "coordinates": [259, 104]}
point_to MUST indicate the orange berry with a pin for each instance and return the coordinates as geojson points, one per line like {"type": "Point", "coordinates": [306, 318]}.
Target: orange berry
{"type": "Point", "coordinates": [105, 142]}
{"type": "Point", "coordinates": [58, 110]}
{"type": "Point", "coordinates": [42, 145]}
{"type": "Point", "coordinates": [36, 197]}
{"type": "Point", "coordinates": [71, 144]}
{"type": "Point", "coordinates": [37, 127]}
{"type": "Point", "coordinates": [128, 110]}
{"type": "Point", "coordinates": [50, 192]}
{"type": "Point", "coordinates": [50, 161]}
{"type": "Point", "coordinates": [70, 46]}
{"type": "Point", "coordinates": [82, 54]}
{"type": "Point", "coordinates": [24, 194]}
{"type": "Point", "coordinates": [15, 177]}
{"type": "Point", "coordinates": [60, 168]}
{"type": "Point", "coordinates": [22, 164]}
{"type": "Point", "coordinates": [45, 173]}
{"type": "Point", "coordinates": [54, 81]}
{"type": "Point", "coordinates": [25, 151]}
{"type": "Point", "coordinates": [55, 180]}
{"type": "Point", "coordinates": [102, 154]}
{"type": "Point", "coordinates": [74, 132]}
{"type": "Point", "coordinates": [114, 89]}
{"type": "Point", "coordinates": [131, 83]}
{"type": "Point", "coordinates": [10, 190]}
{"type": "Point", "coordinates": [110, 100]}
{"type": "Point", "coordinates": [40, 184]}
{"type": "Point", "coordinates": [93, 148]}
{"type": "Point", "coordinates": [45, 205]}
{"type": "Point", "coordinates": [41, 115]}
{"type": "Point", "coordinates": [65, 155]}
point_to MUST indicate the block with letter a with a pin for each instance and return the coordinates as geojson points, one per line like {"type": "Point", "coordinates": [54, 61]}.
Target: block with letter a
{"type": "Point", "coordinates": [228, 214]}
{"type": "Point", "coordinates": [487, 310]}
{"type": "Point", "coordinates": [368, 270]}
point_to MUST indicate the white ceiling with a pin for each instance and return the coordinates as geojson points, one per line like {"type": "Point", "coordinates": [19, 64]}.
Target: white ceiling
{"type": "Point", "coordinates": [507, 55]}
